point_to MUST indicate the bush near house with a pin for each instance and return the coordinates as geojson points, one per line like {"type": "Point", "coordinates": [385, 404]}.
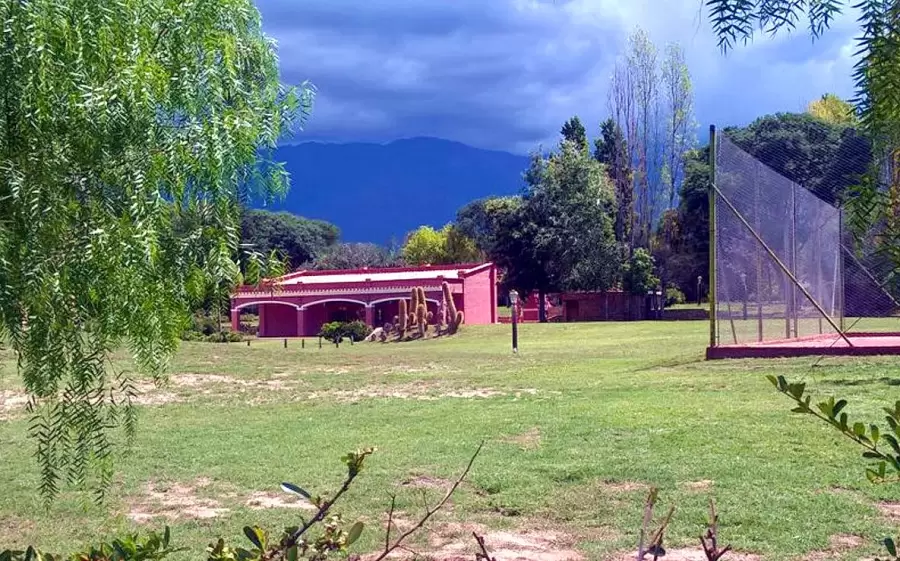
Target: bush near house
{"type": "Point", "coordinates": [337, 330]}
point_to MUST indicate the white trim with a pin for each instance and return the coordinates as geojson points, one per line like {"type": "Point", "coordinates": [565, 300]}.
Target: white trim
{"type": "Point", "coordinates": [257, 303]}
{"type": "Point", "coordinates": [372, 303]}
{"type": "Point", "coordinates": [317, 302]}
{"type": "Point", "coordinates": [454, 288]}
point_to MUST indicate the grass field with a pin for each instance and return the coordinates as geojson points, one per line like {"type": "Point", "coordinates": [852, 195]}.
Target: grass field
{"type": "Point", "coordinates": [578, 424]}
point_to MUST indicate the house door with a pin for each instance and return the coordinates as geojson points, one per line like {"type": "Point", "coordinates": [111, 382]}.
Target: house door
{"type": "Point", "coordinates": [571, 310]}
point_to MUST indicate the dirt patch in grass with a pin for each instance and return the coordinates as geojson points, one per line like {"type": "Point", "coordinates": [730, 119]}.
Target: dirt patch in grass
{"type": "Point", "coordinates": [528, 440]}
{"type": "Point", "coordinates": [174, 501]}
{"type": "Point", "coordinates": [11, 401]}
{"type": "Point", "coordinates": [205, 380]}
{"type": "Point", "coordinates": [262, 500]}
{"type": "Point", "coordinates": [701, 485]}
{"type": "Point", "coordinates": [890, 510]}
{"type": "Point", "coordinates": [452, 541]}
{"type": "Point", "coordinates": [837, 546]}
{"type": "Point", "coordinates": [427, 482]}
{"type": "Point", "coordinates": [420, 392]}
{"type": "Point", "coordinates": [12, 525]}
{"type": "Point", "coordinates": [148, 393]}
{"type": "Point", "coordinates": [623, 486]}
{"type": "Point", "coordinates": [689, 554]}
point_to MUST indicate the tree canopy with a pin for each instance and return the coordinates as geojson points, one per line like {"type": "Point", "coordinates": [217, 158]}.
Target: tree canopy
{"type": "Point", "coordinates": [560, 237]}
{"type": "Point", "coordinates": [298, 239]}
{"type": "Point", "coordinates": [355, 256]}
{"type": "Point", "coordinates": [116, 119]}
{"type": "Point", "coordinates": [427, 246]}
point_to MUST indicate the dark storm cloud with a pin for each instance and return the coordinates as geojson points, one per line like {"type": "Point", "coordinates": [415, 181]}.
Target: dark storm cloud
{"type": "Point", "coordinates": [506, 73]}
{"type": "Point", "coordinates": [475, 71]}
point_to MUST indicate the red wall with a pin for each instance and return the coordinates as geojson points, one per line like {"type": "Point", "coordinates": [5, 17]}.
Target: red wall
{"type": "Point", "coordinates": [480, 297]}
{"type": "Point", "coordinates": [279, 320]}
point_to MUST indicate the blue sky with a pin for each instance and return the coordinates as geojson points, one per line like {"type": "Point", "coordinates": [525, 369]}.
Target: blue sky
{"type": "Point", "coordinates": [505, 74]}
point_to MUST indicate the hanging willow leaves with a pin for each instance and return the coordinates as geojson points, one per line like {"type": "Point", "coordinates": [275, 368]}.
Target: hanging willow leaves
{"type": "Point", "coordinates": [130, 130]}
{"type": "Point", "coordinates": [874, 205]}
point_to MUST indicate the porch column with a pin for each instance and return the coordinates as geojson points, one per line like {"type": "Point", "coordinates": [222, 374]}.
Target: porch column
{"type": "Point", "coordinates": [301, 331]}
{"type": "Point", "coordinates": [262, 321]}
{"type": "Point", "coordinates": [370, 315]}
{"type": "Point", "coordinates": [235, 320]}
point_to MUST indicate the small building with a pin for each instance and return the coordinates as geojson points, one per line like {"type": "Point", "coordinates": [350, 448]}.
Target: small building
{"type": "Point", "coordinates": [611, 305]}
{"type": "Point", "coordinates": [298, 304]}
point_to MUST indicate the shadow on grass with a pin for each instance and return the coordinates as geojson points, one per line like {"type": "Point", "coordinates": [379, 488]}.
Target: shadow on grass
{"type": "Point", "coordinates": [865, 382]}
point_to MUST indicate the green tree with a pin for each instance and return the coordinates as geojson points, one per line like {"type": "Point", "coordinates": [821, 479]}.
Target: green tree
{"type": "Point", "coordinates": [458, 247]}
{"type": "Point", "coordinates": [560, 237]}
{"type": "Point", "coordinates": [611, 150]}
{"type": "Point", "coordinates": [832, 109]}
{"type": "Point", "coordinates": [355, 256]}
{"type": "Point", "coordinates": [876, 80]}
{"type": "Point", "coordinates": [115, 119]}
{"type": "Point", "coordinates": [425, 245]}
{"type": "Point", "coordinates": [826, 159]}
{"type": "Point", "coordinates": [678, 94]}
{"type": "Point", "coordinates": [478, 220]}
{"type": "Point", "coordinates": [573, 131]}
{"type": "Point", "coordinates": [803, 149]}
{"type": "Point", "coordinates": [299, 239]}
{"type": "Point", "coordinates": [638, 277]}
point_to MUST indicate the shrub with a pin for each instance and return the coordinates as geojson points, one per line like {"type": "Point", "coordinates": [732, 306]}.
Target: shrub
{"type": "Point", "coordinates": [203, 324]}
{"type": "Point", "coordinates": [336, 330]}
{"type": "Point", "coordinates": [674, 296]}
{"type": "Point", "coordinates": [225, 336]}
{"type": "Point", "coordinates": [357, 329]}
{"type": "Point", "coordinates": [638, 276]}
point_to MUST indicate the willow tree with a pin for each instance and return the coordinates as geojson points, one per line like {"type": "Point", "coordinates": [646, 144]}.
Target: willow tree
{"type": "Point", "coordinates": [119, 122]}
{"type": "Point", "coordinates": [876, 80]}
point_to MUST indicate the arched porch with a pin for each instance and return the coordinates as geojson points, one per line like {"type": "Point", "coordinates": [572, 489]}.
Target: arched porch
{"type": "Point", "coordinates": [316, 314]}
{"type": "Point", "coordinates": [276, 318]}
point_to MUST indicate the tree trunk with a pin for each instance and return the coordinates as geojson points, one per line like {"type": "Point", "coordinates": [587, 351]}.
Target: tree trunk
{"type": "Point", "coordinates": [542, 312]}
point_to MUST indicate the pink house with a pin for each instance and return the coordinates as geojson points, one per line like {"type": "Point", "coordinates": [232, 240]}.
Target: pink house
{"type": "Point", "coordinates": [298, 304]}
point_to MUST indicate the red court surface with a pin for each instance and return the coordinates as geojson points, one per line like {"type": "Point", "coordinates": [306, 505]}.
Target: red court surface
{"type": "Point", "coordinates": [863, 344]}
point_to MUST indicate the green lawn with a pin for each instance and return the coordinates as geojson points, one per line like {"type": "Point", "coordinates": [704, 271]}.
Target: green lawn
{"type": "Point", "coordinates": [577, 424]}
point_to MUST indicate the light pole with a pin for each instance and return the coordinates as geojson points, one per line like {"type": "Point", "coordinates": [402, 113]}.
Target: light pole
{"type": "Point", "coordinates": [514, 302]}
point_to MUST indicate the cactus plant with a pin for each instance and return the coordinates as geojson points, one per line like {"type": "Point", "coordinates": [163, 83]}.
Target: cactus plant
{"type": "Point", "coordinates": [421, 320]}
{"type": "Point", "coordinates": [454, 317]}
{"type": "Point", "coordinates": [403, 317]}
{"type": "Point", "coordinates": [458, 320]}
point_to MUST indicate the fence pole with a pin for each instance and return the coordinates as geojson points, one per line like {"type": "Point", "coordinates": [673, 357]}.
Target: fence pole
{"type": "Point", "coordinates": [795, 313]}
{"type": "Point", "coordinates": [759, 266]}
{"type": "Point", "coordinates": [841, 268]}
{"type": "Point", "coordinates": [712, 237]}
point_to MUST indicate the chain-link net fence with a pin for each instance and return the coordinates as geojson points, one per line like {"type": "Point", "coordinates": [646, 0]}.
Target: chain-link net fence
{"type": "Point", "coordinates": [786, 265]}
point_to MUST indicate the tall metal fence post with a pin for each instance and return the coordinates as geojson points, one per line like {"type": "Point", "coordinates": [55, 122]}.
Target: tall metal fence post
{"type": "Point", "coordinates": [712, 236]}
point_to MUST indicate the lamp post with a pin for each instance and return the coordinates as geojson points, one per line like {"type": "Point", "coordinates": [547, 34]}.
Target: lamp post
{"type": "Point", "coordinates": [514, 302]}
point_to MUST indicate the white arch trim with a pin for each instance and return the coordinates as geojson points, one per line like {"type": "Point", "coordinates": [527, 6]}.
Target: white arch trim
{"type": "Point", "coordinates": [317, 302]}
{"type": "Point", "coordinates": [248, 304]}
{"type": "Point", "coordinates": [432, 300]}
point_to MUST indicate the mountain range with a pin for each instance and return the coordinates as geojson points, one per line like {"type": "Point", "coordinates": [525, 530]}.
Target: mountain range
{"type": "Point", "coordinates": [379, 192]}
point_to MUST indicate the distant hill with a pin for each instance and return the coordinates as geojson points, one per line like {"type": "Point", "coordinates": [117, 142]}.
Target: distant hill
{"type": "Point", "coordinates": [374, 192]}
